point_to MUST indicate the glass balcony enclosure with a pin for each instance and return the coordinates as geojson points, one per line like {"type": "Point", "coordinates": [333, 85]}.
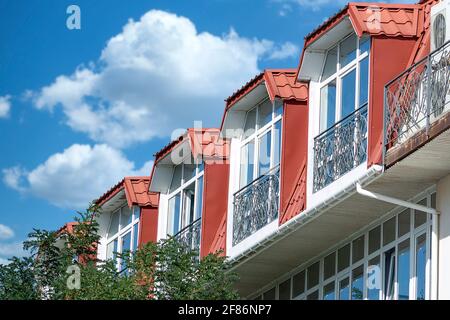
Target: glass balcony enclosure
{"type": "Point", "coordinates": [342, 142]}
{"type": "Point", "coordinates": [185, 202]}
{"type": "Point", "coordinates": [256, 202]}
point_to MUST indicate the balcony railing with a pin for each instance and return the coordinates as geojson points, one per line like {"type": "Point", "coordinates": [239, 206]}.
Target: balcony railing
{"type": "Point", "coordinates": [417, 97]}
{"type": "Point", "coordinates": [256, 205]}
{"type": "Point", "coordinates": [190, 235]}
{"type": "Point", "coordinates": [340, 148]}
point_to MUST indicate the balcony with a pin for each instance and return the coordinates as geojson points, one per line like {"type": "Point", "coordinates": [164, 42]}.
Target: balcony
{"type": "Point", "coordinates": [417, 100]}
{"type": "Point", "coordinates": [190, 235]}
{"type": "Point", "coordinates": [256, 205]}
{"type": "Point", "coordinates": [340, 148]}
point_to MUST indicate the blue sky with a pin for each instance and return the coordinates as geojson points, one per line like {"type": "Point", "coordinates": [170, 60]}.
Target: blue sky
{"type": "Point", "coordinates": [79, 109]}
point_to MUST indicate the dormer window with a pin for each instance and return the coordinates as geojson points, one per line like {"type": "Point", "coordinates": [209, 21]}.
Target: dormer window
{"type": "Point", "coordinates": [344, 80]}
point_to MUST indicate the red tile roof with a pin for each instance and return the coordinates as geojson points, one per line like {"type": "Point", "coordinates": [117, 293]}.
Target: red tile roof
{"type": "Point", "coordinates": [136, 192]}
{"type": "Point", "coordinates": [281, 83]}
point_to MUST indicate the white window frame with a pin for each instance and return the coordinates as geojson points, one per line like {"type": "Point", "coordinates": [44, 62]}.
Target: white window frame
{"type": "Point", "coordinates": [339, 75]}
{"type": "Point", "coordinates": [199, 173]}
{"type": "Point", "coordinates": [123, 230]}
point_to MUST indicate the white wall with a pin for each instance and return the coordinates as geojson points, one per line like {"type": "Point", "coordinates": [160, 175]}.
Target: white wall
{"type": "Point", "coordinates": [443, 206]}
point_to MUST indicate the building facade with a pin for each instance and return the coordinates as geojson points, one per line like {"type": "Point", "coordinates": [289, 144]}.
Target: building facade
{"type": "Point", "coordinates": [327, 181]}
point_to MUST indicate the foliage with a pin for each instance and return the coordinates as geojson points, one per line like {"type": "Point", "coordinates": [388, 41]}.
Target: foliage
{"type": "Point", "coordinates": [163, 270]}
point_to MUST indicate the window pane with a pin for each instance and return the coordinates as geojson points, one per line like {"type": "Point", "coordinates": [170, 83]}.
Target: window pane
{"type": "Point", "coordinates": [374, 279]}
{"type": "Point", "coordinates": [404, 222]}
{"type": "Point", "coordinates": [189, 171]}
{"type": "Point", "coordinates": [114, 226]}
{"type": "Point", "coordinates": [198, 211]}
{"type": "Point", "coordinates": [111, 249]}
{"type": "Point", "coordinates": [389, 269]}
{"type": "Point", "coordinates": [344, 289]}
{"type": "Point", "coordinates": [173, 219]}
{"type": "Point", "coordinates": [126, 217]}
{"type": "Point", "coordinates": [136, 236]}
{"type": "Point", "coordinates": [277, 143]}
{"type": "Point", "coordinates": [298, 284]}
{"type": "Point", "coordinates": [374, 239]}
{"type": "Point", "coordinates": [389, 231]}
{"type": "Point", "coordinates": [188, 205]}
{"type": "Point", "coordinates": [313, 275]}
{"type": "Point", "coordinates": [328, 106]}
{"type": "Point", "coordinates": [421, 261]}
{"type": "Point", "coordinates": [269, 295]}
{"type": "Point", "coordinates": [313, 296]}
{"type": "Point", "coordinates": [358, 249]}
{"type": "Point", "coordinates": [348, 93]}
{"type": "Point", "coordinates": [343, 257]}
{"type": "Point", "coordinates": [329, 266]}
{"type": "Point", "coordinates": [278, 108]}
{"type": "Point", "coordinates": [126, 242]}
{"type": "Point", "coordinates": [357, 283]}
{"type": "Point", "coordinates": [264, 113]}
{"type": "Point", "coordinates": [176, 178]}
{"type": "Point", "coordinates": [433, 200]}
{"type": "Point", "coordinates": [347, 50]}
{"type": "Point", "coordinates": [264, 153]}
{"type": "Point", "coordinates": [328, 292]}
{"type": "Point", "coordinates": [250, 123]}
{"type": "Point", "coordinates": [364, 44]}
{"type": "Point", "coordinates": [363, 82]}
{"type": "Point", "coordinates": [284, 290]}
{"type": "Point", "coordinates": [403, 270]}
{"type": "Point", "coordinates": [247, 159]}
{"type": "Point", "coordinates": [330, 63]}
{"type": "Point", "coordinates": [420, 217]}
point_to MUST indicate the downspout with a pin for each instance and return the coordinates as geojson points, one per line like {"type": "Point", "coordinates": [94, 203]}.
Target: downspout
{"type": "Point", "coordinates": [434, 230]}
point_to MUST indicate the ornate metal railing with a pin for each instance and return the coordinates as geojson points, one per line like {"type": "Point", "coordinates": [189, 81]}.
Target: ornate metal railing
{"type": "Point", "coordinates": [190, 235]}
{"type": "Point", "coordinates": [256, 205]}
{"type": "Point", "coordinates": [417, 97]}
{"type": "Point", "coordinates": [340, 148]}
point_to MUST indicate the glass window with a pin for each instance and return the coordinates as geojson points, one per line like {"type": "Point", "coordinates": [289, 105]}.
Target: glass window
{"type": "Point", "coordinates": [198, 210]}
{"type": "Point", "coordinates": [329, 266]}
{"type": "Point", "coordinates": [126, 242]}
{"type": "Point", "coordinates": [313, 296]}
{"type": "Point", "coordinates": [284, 290]}
{"type": "Point", "coordinates": [420, 217]}
{"type": "Point", "coordinates": [348, 93]}
{"type": "Point", "coordinates": [247, 159]}
{"type": "Point", "coordinates": [328, 292]}
{"type": "Point", "coordinates": [433, 200]}
{"type": "Point", "coordinates": [176, 178]}
{"type": "Point", "coordinates": [269, 295]}
{"type": "Point", "coordinates": [264, 113]}
{"type": "Point", "coordinates": [358, 249]}
{"type": "Point", "coordinates": [389, 271]}
{"type": "Point", "coordinates": [403, 270]}
{"type": "Point", "coordinates": [343, 257]}
{"type": "Point", "coordinates": [328, 106]}
{"type": "Point", "coordinates": [136, 236]}
{"type": "Point", "coordinates": [389, 231]}
{"type": "Point", "coordinates": [126, 217]}
{"type": "Point", "coordinates": [189, 171]}
{"type": "Point", "coordinates": [298, 284]}
{"type": "Point", "coordinates": [114, 226]}
{"type": "Point", "coordinates": [363, 82]}
{"type": "Point", "coordinates": [277, 143]}
{"type": "Point", "coordinates": [330, 63]}
{"type": "Point", "coordinates": [173, 220]}
{"type": "Point", "coordinates": [404, 222]}
{"type": "Point", "coordinates": [111, 250]}
{"type": "Point", "coordinates": [374, 239]}
{"type": "Point", "coordinates": [421, 262]}
{"type": "Point", "coordinates": [347, 52]}
{"type": "Point", "coordinates": [278, 108]}
{"type": "Point", "coordinates": [264, 153]}
{"type": "Point", "coordinates": [250, 123]}
{"type": "Point", "coordinates": [364, 44]}
{"type": "Point", "coordinates": [358, 283]}
{"type": "Point", "coordinates": [344, 289]}
{"type": "Point", "coordinates": [188, 205]}
{"type": "Point", "coordinates": [313, 275]}
{"type": "Point", "coordinates": [374, 279]}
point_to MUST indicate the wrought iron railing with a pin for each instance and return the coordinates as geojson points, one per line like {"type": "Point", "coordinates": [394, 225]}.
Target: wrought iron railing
{"type": "Point", "coordinates": [256, 205]}
{"type": "Point", "coordinates": [340, 148]}
{"type": "Point", "coordinates": [190, 235]}
{"type": "Point", "coordinates": [417, 97]}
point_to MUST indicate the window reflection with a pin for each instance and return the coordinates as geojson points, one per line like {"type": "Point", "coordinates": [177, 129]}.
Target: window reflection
{"type": "Point", "coordinates": [421, 261]}
{"type": "Point", "coordinates": [403, 270]}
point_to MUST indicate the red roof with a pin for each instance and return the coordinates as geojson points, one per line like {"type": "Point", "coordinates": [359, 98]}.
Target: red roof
{"type": "Point", "coordinates": [136, 192]}
{"type": "Point", "coordinates": [280, 83]}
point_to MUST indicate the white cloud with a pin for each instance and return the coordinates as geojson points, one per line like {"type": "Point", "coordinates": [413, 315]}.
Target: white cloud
{"type": "Point", "coordinates": [76, 176]}
{"type": "Point", "coordinates": [4, 261]}
{"type": "Point", "coordinates": [158, 74]}
{"type": "Point", "coordinates": [287, 50]}
{"type": "Point", "coordinates": [320, 4]}
{"type": "Point", "coordinates": [12, 249]}
{"type": "Point", "coordinates": [5, 106]}
{"type": "Point", "coordinates": [6, 232]}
